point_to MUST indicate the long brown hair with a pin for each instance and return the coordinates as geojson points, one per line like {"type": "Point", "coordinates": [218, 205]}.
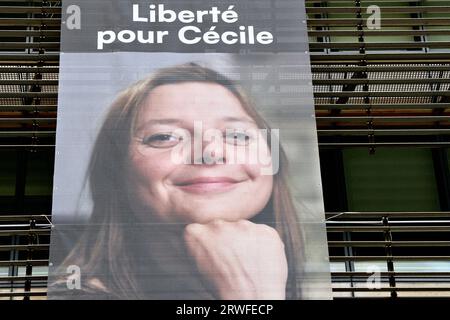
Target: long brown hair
{"type": "Point", "coordinates": [106, 240]}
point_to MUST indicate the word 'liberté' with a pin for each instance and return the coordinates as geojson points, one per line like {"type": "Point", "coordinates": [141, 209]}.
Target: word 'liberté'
{"type": "Point", "coordinates": [189, 34]}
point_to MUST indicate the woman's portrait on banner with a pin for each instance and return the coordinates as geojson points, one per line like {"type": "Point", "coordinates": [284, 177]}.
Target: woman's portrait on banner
{"type": "Point", "coordinates": [186, 155]}
{"type": "Point", "coordinates": [190, 196]}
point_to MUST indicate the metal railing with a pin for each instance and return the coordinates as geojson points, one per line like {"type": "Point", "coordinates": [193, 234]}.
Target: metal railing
{"type": "Point", "coordinates": [352, 281]}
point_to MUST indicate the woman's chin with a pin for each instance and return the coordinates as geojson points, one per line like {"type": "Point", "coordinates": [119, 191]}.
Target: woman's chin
{"type": "Point", "coordinates": [206, 215]}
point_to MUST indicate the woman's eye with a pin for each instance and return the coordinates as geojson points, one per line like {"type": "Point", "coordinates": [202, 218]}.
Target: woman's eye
{"type": "Point", "coordinates": [162, 140]}
{"type": "Point", "coordinates": [238, 138]}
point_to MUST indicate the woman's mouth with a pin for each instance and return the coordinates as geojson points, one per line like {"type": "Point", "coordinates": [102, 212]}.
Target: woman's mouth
{"type": "Point", "coordinates": [208, 184]}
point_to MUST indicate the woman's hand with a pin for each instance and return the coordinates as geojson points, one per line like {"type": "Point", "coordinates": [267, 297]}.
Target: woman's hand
{"type": "Point", "coordinates": [242, 260]}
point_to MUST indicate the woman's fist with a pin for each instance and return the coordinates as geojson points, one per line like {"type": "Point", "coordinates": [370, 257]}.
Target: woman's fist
{"type": "Point", "coordinates": [242, 260]}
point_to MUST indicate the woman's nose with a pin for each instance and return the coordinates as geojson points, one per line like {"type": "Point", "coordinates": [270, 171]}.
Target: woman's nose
{"type": "Point", "coordinates": [212, 150]}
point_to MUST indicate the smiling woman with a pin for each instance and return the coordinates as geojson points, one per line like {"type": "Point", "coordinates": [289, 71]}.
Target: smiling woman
{"type": "Point", "coordinates": [211, 228]}
{"type": "Point", "coordinates": [194, 193]}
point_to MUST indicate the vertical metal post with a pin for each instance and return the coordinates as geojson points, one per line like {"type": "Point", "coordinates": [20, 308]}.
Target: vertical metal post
{"type": "Point", "coordinates": [13, 256]}
{"type": "Point", "coordinates": [29, 266]}
{"type": "Point", "coordinates": [349, 264]}
{"type": "Point", "coordinates": [390, 262]}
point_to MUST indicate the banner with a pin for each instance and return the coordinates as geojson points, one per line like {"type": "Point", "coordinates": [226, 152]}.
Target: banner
{"type": "Point", "coordinates": [186, 161]}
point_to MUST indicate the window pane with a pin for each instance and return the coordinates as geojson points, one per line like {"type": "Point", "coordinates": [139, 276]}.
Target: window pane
{"type": "Point", "coordinates": [7, 173]}
{"type": "Point", "coordinates": [390, 180]}
{"type": "Point", "coordinates": [40, 174]}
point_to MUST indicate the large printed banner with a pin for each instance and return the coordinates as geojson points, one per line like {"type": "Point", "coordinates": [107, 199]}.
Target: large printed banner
{"type": "Point", "coordinates": [187, 162]}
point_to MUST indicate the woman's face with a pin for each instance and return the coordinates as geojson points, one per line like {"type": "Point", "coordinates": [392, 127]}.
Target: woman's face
{"type": "Point", "coordinates": [166, 176]}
